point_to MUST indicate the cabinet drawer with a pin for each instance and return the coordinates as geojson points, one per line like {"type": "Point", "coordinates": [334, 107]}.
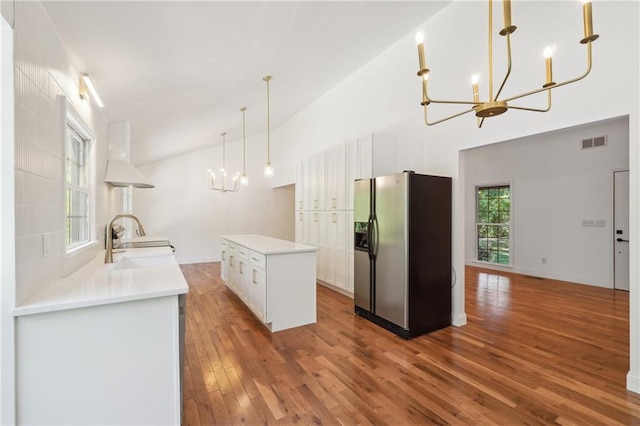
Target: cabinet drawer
{"type": "Point", "coordinates": [232, 247]}
{"type": "Point", "coordinates": [258, 259]}
{"type": "Point", "coordinates": [243, 251]}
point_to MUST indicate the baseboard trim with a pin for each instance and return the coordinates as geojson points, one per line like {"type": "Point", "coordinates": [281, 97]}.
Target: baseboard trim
{"type": "Point", "coordinates": [459, 320]}
{"type": "Point", "coordinates": [336, 289]}
{"type": "Point", "coordinates": [633, 382]}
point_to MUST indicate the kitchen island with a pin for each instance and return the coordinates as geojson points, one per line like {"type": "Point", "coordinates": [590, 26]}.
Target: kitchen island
{"type": "Point", "coordinates": [104, 345]}
{"type": "Point", "coordinates": [275, 278]}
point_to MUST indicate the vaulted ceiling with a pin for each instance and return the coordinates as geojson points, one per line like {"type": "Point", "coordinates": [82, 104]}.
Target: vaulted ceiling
{"type": "Point", "coordinates": [180, 71]}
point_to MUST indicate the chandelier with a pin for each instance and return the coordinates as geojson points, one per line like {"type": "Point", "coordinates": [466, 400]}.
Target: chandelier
{"type": "Point", "coordinates": [493, 105]}
{"type": "Point", "coordinates": [223, 181]}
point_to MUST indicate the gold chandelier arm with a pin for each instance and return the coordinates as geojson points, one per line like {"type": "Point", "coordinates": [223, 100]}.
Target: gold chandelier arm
{"type": "Point", "coordinates": [426, 100]}
{"type": "Point", "coordinates": [426, 120]}
{"type": "Point", "coordinates": [506, 77]}
{"type": "Point", "coordinates": [558, 84]}
{"type": "Point", "coordinates": [536, 109]}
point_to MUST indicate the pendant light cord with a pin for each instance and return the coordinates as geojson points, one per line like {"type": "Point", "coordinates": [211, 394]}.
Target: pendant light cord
{"type": "Point", "coordinates": [244, 149]}
{"type": "Point", "coordinates": [267, 79]}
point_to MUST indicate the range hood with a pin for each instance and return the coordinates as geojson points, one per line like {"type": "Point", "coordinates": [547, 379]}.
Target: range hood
{"type": "Point", "coordinates": [122, 173]}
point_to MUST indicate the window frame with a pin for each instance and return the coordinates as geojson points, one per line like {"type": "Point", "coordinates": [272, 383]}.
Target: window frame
{"type": "Point", "coordinates": [509, 224]}
{"type": "Point", "coordinates": [73, 121]}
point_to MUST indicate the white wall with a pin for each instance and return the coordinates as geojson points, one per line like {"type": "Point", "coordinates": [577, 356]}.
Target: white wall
{"type": "Point", "coordinates": [43, 72]}
{"type": "Point", "coordinates": [182, 208]}
{"type": "Point", "coordinates": [7, 220]}
{"type": "Point", "coordinates": [555, 186]}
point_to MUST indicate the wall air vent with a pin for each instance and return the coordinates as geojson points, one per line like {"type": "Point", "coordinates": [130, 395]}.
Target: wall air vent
{"type": "Point", "coordinates": [594, 142]}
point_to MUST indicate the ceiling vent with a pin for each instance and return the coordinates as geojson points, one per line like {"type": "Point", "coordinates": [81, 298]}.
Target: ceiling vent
{"type": "Point", "coordinates": [594, 142]}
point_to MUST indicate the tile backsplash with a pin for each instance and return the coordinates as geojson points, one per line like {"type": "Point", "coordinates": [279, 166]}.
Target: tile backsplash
{"type": "Point", "coordinates": [44, 73]}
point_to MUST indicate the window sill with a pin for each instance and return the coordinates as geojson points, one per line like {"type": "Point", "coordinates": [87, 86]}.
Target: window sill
{"type": "Point", "coordinates": [81, 248]}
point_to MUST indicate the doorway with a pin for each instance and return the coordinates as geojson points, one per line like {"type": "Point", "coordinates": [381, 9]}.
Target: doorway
{"type": "Point", "coordinates": [621, 230]}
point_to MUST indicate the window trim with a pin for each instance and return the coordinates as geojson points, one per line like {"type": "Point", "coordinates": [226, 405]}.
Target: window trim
{"type": "Point", "coordinates": [72, 118]}
{"type": "Point", "coordinates": [510, 223]}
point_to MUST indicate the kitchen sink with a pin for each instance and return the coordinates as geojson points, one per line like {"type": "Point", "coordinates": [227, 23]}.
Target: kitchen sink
{"type": "Point", "coordinates": [144, 262]}
{"type": "Point", "coordinates": [142, 244]}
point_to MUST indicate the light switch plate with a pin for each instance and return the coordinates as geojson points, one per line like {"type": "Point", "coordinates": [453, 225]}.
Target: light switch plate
{"type": "Point", "coordinates": [46, 245]}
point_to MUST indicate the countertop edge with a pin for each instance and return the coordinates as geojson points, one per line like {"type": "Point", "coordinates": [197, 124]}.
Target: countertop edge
{"type": "Point", "coordinates": [238, 239]}
{"type": "Point", "coordinates": [31, 310]}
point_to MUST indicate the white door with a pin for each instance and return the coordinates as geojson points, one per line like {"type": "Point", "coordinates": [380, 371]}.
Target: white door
{"type": "Point", "coordinates": [621, 230]}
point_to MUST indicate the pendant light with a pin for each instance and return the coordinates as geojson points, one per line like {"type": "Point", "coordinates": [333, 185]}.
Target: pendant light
{"type": "Point", "coordinates": [244, 179]}
{"type": "Point", "coordinates": [223, 172]}
{"type": "Point", "coordinates": [268, 168]}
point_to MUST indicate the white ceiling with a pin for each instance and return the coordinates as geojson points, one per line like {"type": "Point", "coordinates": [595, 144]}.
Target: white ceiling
{"type": "Point", "coordinates": [180, 71]}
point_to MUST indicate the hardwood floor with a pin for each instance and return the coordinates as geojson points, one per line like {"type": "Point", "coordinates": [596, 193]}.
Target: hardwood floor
{"type": "Point", "coordinates": [534, 352]}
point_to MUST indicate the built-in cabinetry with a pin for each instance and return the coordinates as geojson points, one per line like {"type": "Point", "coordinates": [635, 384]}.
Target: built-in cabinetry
{"type": "Point", "coordinates": [275, 278]}
{"type": "Point", "coordinates": [105, 344]}
{"type": "Point", "coordinates": [324, 201]}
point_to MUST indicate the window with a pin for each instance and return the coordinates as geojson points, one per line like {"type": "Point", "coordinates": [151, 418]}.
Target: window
{"type": "Point", "coordinates": [493, 219]}
{"type": "Point", "coordinates": [78, 185]}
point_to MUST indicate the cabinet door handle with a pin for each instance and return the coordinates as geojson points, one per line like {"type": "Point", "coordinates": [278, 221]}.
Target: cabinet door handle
{"type": "Point", "coordinates": [315, 204]}
{"type": "Point", "coordinates": [254, 277]}
{"type": "Point", "coordinates": [224, 255]}
{"type": "Point", "coordinates": [254, 259]}
{"type": "Point", "coordinates": [231, 260]}
{"type": "Point", "coordinates": [315, 217]}
{"type": "Point", "coordinates": [334, 218]}
{"type": "Point", "coordinates": [300, 217]}
{"type": "Point", "coordinates": [241, 265]}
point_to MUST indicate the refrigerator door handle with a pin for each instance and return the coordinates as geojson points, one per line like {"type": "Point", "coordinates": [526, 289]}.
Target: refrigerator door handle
{"type": "Point", "coordinates": [374, 242]}
{"type": "Point", "coordinates": [369, 237]}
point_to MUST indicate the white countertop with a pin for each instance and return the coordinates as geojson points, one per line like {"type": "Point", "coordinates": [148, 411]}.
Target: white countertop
{"type": "Point", "coordinates": [268, 245]}
{"type": "Point", "coordinates": [141, 273]}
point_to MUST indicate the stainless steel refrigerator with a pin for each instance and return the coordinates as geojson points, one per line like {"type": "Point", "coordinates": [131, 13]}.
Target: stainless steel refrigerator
{"type": "Point", "coordinates": [402, 258]}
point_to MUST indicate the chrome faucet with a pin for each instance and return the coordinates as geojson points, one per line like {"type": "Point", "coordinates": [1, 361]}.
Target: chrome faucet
{"type": "Point", "coordinates": [108, 255]}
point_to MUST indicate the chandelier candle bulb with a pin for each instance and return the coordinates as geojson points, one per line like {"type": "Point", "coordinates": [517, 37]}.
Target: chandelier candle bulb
{"type": "Point", "coordinates": [421, 58]}
{"type": "Point", "coordinates": [474, 82]}
{"type": "Point", "coordinates": [588, 22]}
{"type": "Point", "coordinates": [548, 53]}
{"type": "Point", "coordinates": [508, 28]}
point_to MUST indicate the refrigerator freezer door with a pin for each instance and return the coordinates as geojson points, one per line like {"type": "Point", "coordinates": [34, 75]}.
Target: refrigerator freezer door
{"type": "Point", "coordinates": [362, 200]}
{"type": "Point", "coordinates": [362, 280]}
{"type": "Point", "coordinates": [391, 287]}
{"type": "Point", "coordinates": [361, 259]}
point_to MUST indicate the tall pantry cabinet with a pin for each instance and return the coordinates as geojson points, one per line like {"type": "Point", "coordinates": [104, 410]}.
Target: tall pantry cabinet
{"type": "Point", "coordinates": [324, 201]}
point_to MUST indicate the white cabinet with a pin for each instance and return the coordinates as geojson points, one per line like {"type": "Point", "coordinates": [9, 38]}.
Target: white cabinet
{"type": "Point", "coordinates": [302, 185]}
{"type": "Point", "coordinates": [108, 364]}
{"type": "Point", "coordinates": [258, 285]}
{"type": "Point", "coordinates": [224, 261]}
{"type": "Point", "coordinates": [281, 280]}
{"type": "Point", "coordinates": [317, 237]}
{"type": "Point", "coordinates": [324, 200]}
{"type": "Point", "coordinates": [350, 247]}
{"type": "Point", "coordinates": [376, 155]}
{"type": "Point", "coordinates": [336, 178]}
{"type": "Point", "coordinates": [302, 226]}
{"type": "Point", "coordinates": [351, 173]}
{"type": "Point", "coordinates": [336, 249]}
{"type": "Point", "coordinates": [316, 182]}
